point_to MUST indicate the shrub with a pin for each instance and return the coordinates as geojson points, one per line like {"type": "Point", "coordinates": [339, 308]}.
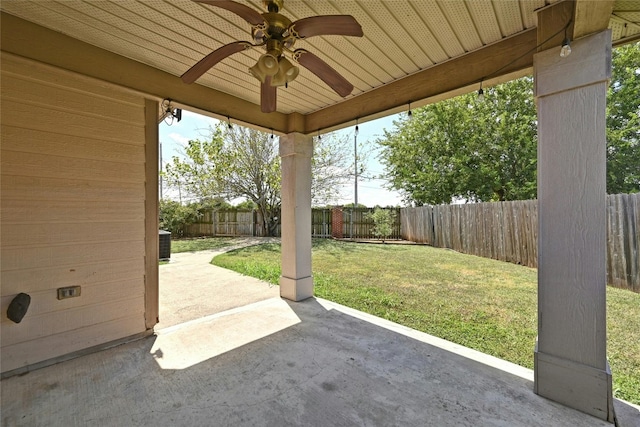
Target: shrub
{"type": "Point", "coordinates": [174, 216]}
{"type": "Point", "coordinates": [383, 220]}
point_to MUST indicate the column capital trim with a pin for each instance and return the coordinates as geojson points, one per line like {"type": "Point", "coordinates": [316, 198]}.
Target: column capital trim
{"type": "Point", "coordinates": [296, 144]}
{"type": "Point", "coordinates": [589, 63]}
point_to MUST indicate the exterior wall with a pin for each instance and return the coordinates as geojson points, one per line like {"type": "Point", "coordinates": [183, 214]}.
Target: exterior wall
{"type": "Point", "coordinates": [73, 211]}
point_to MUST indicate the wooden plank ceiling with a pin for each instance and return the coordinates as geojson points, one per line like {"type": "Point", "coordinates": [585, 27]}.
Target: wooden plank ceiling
{"type": "Point", "coordinates": [402, 39]}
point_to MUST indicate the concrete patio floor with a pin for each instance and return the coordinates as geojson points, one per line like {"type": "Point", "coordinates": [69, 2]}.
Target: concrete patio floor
{"type": "Point", "coordinates": [263, 361]}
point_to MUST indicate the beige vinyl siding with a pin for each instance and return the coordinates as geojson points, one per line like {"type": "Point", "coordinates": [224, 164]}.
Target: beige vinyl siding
{"type": "Point", "coordinates": [73, 211]}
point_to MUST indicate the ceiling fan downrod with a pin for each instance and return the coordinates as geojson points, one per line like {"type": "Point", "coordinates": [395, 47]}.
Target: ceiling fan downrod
{"type": "Point", "coordinates": [273, 6]}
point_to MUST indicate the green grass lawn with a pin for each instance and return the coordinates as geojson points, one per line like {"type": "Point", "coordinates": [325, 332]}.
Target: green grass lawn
{"type": "Point", "coordinates": [480, 303]}
{"type": "Point", "coordinates": [200, 244]}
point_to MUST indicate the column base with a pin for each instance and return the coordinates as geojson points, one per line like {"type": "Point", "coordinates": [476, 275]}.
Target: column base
{"type": "Point", "coordinates": [296, 289]}
{"type": "Point", "coordinates": [573, 384]}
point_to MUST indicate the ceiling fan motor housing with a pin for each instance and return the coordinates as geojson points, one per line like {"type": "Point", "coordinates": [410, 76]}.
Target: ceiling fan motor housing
{"type": "Point", "coordinates": [277, 30]}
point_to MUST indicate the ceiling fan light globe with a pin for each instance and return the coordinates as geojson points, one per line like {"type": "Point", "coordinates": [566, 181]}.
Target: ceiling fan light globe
{"type": "Point", "coordinates": [268, 64]}
{"type": "Point", "coordinates": [288, 69]}
{"type": "Point", "coordinates": [278, 80]}
{"type": "Point", "coordinates": [257, 73]}
{"type": "Point", "coordinates": [287, 73]}
{"type": "Point", "coordinates": [292, 73]}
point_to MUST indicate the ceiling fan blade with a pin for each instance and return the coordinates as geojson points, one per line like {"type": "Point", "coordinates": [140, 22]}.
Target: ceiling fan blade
{"type": "Point", "coordinates": [323, 70]}
{"type": "Point", "coordinates": [267, 96]}
{"type": "Point", "coordinates": [250, 15]}
{"type": "Point", "coordinates": [194, 73]}
{"type": "Point", "coordinates": [326, 25]}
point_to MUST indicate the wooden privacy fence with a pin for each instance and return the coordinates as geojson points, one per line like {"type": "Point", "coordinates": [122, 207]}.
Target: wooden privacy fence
{"type": "Point", "coordinates": [239, 222]}
{"type": "Point", "coordinates": [623, 241]}
{"type": "Point", "coordinates": [321, 223]}
{"type": "Point", "coordinates": [231, 222]}
{"type": "Point", "coordinates": [356, 224]}
{"type": "Point", "coordinates": [226, 223]}
{"type": "Point", "coordinates": [508, 231]}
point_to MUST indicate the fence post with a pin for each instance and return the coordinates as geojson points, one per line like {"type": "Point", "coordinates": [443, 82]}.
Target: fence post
{"type": "Point", "coordinates": [325, 226]}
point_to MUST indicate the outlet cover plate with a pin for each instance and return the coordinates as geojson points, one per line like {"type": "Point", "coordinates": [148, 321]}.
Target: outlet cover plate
{"type": "Point", "coordinates": [68, 292]}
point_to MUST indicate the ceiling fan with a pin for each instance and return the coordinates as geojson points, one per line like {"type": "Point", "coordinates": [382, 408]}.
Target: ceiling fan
{"type": "Point", "coordinates": [277, 34]}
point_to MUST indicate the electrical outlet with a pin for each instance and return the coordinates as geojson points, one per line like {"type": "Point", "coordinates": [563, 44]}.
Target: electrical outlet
{"type": "Point", "coordinates": [69, 292]}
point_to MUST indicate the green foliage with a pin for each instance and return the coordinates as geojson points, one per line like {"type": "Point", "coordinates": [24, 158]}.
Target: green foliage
{"type": "Point", "coordinates": [247, 204]}
{"type": "Point", "coordinates": [623, 121]}
{"type": "Point", "coordinates": [197, 174]}
{"type": "Point", "coordinates": [464, 148]}
{"type": "Point", "coordinates": [486, 151]}
{"type": "Point", "coordinates": [173, 216]}
{"type": "Point", "coordinates": [383, 220]}
{"type": "Point", "coordinates": [214, 204]}
{"type": "Point", "coordinates": [242, 162]}
{"type": "Point", "coordinates": [236, 162]}
{"type": "Point", "coordinates": [252, 170]}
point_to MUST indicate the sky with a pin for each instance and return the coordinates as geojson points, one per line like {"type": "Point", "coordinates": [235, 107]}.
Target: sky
{"type": "Point", "coordinates": [371, 192]}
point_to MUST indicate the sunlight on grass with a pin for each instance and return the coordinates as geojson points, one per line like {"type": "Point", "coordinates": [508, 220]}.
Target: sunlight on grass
{"type": "Point", "coordinates": [487, 305]}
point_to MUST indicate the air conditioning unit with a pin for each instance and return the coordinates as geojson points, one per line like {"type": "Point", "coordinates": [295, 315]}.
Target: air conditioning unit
{"type": "Point", "coordinates": [165, 245]}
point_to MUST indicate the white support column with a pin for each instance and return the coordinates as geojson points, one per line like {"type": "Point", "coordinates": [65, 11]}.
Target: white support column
{"type": "Point", "coordinates": [296, 282]}
{"type": "Point", "coordinates": [570, 357]}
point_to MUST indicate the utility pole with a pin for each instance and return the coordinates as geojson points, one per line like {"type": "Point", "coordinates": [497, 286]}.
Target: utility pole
{"type": "Point", "coordinates": [355, 174]}
{"type": "Point", "coordinates": [355, 163]}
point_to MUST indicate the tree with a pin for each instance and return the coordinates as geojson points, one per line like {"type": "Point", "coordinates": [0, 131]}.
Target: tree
{"type": "Point", "coordinates": [462, 148]}
{"type": "Point", "coordinates": [173, 216]}
{"type": "Point", "coordinates": [486, 151]}
{"type": "Point", "coordinates": [332, 167]}
{"type": "Point", "coordinates": [246, 204]}
{"type": "Point", "coordinates": [194, 178]}
{"type": "Point", "coordinates": [242, 162]}
{"type": "Point", "coordinates": [236, 162]}
{"type": "Point", "coordinates": [623, 121]}
{"type": "Point", "coordinates": [383, 220]}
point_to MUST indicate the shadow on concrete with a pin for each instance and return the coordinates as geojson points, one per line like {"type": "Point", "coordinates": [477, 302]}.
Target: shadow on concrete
{"type": "Point", "coordinates": [314, 363]}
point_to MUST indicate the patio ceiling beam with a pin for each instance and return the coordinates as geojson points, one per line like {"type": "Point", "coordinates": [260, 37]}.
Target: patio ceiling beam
{"type": "Point", "coordinates": [513, 54]}
{"type": "Point", "coordinates": [583, 17]}
{"type": "Point", "coordinates": [41, 44]}
{"type": "Point", "coordinates": [557, 16]}
{"type": "Point", "coordinates": [591, 16]}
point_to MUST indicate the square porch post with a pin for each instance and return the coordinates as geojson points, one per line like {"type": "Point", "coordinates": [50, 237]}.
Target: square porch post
{"type": "Point", "coordinates": [296, 282]}
{"type": "Point", "coordinates": [570, 356]}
